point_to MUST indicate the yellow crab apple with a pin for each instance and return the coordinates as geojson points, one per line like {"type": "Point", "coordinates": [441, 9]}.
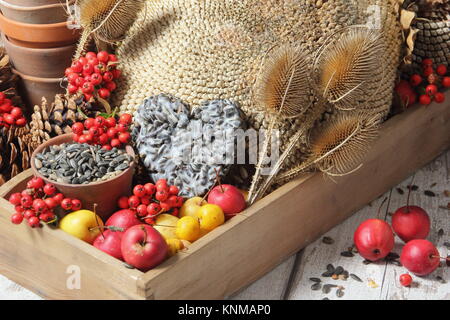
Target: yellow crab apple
{"type": "Point", "coordinates": [191, 206]}
{"type": "Point", "coordinates": [166, 225]}
{"type": "Point", "coordinates": [83, 224]}
{"type": "Point", "coordinates": [188, 228]}
{"type": "Point", "coordinates": [211, 216]}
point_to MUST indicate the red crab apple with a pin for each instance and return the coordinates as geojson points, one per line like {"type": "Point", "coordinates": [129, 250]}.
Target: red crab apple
{"type": "Point", "coordinates": [374, 239]}
{"type": "Point", "coordinates": [229, 198]}
{"type": "Point", "coordinates": [124, 219]}
{"type": "Point", "coordinates": [420, 257]}
{"type": "Point", "coordinates": [411, 222]}
{"type": "Point", "coordinates": [143, 247]}
{"type": "Point", "coordinates": [109, 242]}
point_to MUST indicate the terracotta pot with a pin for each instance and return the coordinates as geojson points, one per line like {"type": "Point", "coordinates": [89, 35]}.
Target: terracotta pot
{"type": "Point", "coordinates": [34, 3]}
{"type": "Point", "coordinates": [38, 35]}
{"type": "Point", "coordinates": [43, 14]}
{"type": "Point", "coordinates": [34, 88]}
{"type": "Point", "coordinates": [39, 62]}
{"type": "Point", "coordinates": [104, 194]}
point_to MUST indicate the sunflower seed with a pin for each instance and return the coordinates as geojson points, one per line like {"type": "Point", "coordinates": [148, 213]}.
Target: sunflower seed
{"type": "Point", "coordinates": [327, 288]}
{"type": "Point", "coordinates": [327, 274]}
{"type": "Point", "coordinates": [347, 254]}
{"type": "Point", "coordinates": [355, 277]}
{"type": "Point", "coordinates": [330, 267]}
{"type": "Point", "coordinates": [440, 232]}
{"type": "Point", "coordinates": [327, 240]}
{"type": "Point", "coordinates": [315, 280]}
{"type": "Point", "coordinates": [339, 270]}
{"type": "Point", "coordinates": [340, 293]}
{"type": "Point", "coordinates": [316, 286]}
{"type": "Point", "coordinates": [413, 187]}
{"type": "Point", "coordinates": [400, 191]}
{"type": "Point", "coordinates": [429, 193]}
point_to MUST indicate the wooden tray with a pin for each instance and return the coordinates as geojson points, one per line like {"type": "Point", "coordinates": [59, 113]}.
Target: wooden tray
{"type": "Point", "coordinates": [243, 249]}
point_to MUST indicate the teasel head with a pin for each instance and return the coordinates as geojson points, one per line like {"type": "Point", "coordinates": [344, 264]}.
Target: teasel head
{"type": "Point", "coordinates": [283, 85]}
{"type": "Point", "coordinates": [338, 146]}
{"type": "Point", "coordinates": [106, 20]}
{"type": "Point", "coordinates": [346, 64]}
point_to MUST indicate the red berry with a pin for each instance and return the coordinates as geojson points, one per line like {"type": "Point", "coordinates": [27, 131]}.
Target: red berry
{"type": "Point", "coordinates": [142, 210]}
{"type": "Point", "coordinates": [87, 70]}
{"type": "Point", "coordinates": [66, 204]}
{"type": "Point", "coordinates": [425, 99]}
{"type": "Point", "coordinates": [46, 217]}
{"type": "Point", "coordinates": [68, 71]}
{"type": "Point", "coordinates": [100, 68]}
{"type": "Point", "coordinates": [76, 204]}
{"type": "Point", "coordinates": [28, 214]}
{"type": "Point", "coordinates": [79, 82]}
{"type": "Point", "coordinates": [113, 58]}
{"type": "Point", "coordinates": [173, 190]}
{"type": "Point", "coordinates": [150, 221]}
{"type": "Point", "coordinates": [107, 147]}
{"type": "Point", "coordinates": [139, 191]}
{"type": "Point", "coordinates": [21, 122]}
{"type": "Point", "coordinates": [121, 127]}
{"type": "Point", "coordinates": [126, 119]}
{"type": "Point", "coordinates": [77, 67]}
{"type": "Point", "coordinates": [179, 203]}
{"type": "Point", "coordinates": [100, 121]}
{"type": "Point", "coordinates": [124, 137]}
{"type": "Point", "coordinates": [72, 88]}
{"type": "Point", "coordinates": [161, 195]}
{"type": "Point", "coordinates": [153, 209]}
{"type": "Point", "coordinates": [15, 199]}
{"type": "Point", "coordinates": [17, 218]}
{"type": "Point", "coordinates": [439, 97]}
{"type": "Point", "coordinates": [39, 205]}
{"type": "Point", "coordinates": [427, 71]}
{"type": "Point", "coordinates": [33, 222]}
{"type": "Point", "coordinates": [89, 123]}
{"type": "Point", "coordinates": [115, 143]}
{"type": "Point", "coordinates": [9, 119]}
{"type": "Point", "coordinates": [117, 73]}
{"type": "Point", "coordinates": [405, 280]}
{"type": "Point", "coordinates": [72, 77]}
{"type": "Point", "coordinates": [165, 206]}
{"type": "Point", "coordinates": [150, 189]}
{"type": "Point", "coordinates": [111, 86]}
{"type": "Point", "coordinates": [96, 79]}
{"type": "Point", "coordinates": [427, 62]}
{"type": "Point", "coordinates": [431, 89]}
{"type": "Point", "coordinates": [103, 56]}
{"type": "Point", "coordinates": [123, 203]}
{"type": "Point", "coordinates": [175, 212]}
{"type": "Point", "coordinates": [91, 55]}
{"type": "Point", "coordinates": [83, 60]}
{"type": "Point", "coordinates": [161, 181]}
{"type": "Point", "coordinates": [104, 93]}
{"type": "Point", "coordinates": [441, 70]}
{"type": "Point", "coordinates": [108, 76]}
{"type": "Point", "coordinates": [77, 128]}
{"type": "Point", "coordinates": [103, 139]}
{"type": "Point", "coordinates": [49, 189]}
{"type": "Point", "coordinates": [146, 200]}
{"type": "Point", "coordinates": [415, 80]}
{"type": "Point", "coordinates": [81, 139]}
{"type": "Point", "coordinates": [446, 82]}
{"type": "Point", "coordinates": [162, 187]}
{"type": "Point", "coordinates": [58, 198]}
{"type": "Point", "coordinates": [172, 200]}
{"type": "Point", "coordinates": [134, 202]}
{"type": "Point", "coordinates": [87, 87]}
{"type": "Point", "coordinates": [93, 61]}
{"type": "Point", "coordinates": [51, 203]}
{"type": "Point", "coordinates": [19, 209]}
{"type": "Point", "coordinates": [110, 122]}
{"type": "Point", "coordinates": [111, 132]}
{"type": "Point", "coordinates": [16, 112]}
{"type": "Point", "coordinates": [36, 183]}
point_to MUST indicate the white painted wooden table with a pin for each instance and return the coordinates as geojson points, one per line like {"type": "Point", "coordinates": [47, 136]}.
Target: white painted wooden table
{"type": "Point", "coordinates": [290, 280]}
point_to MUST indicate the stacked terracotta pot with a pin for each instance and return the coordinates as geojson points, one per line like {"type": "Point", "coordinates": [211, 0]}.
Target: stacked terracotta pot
{"type": "Point", "coordinates": [39, 43]}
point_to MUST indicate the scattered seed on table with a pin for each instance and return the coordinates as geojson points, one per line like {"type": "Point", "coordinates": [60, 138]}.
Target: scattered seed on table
{"type": "Point", "coordinates": [429, 193]}
{"type": "Point", "coordinates": [441, 280]}
{"type": "Point", "coordinates": [327, 288]}
{"type": "Point", "coordinates": [440, 232]}
{"type": "Point", "coordinates": [342, 277]}
{"type": "Point", "coordinates": [325, 298]}
{"type": "Point", "coordinates": [413, 187]}
{"type": "Point", "coordinates": [355, 277]}
{"type": "Point", "coordinates": [347, 254]}
{"type": "Point", "coordinates": [316, 286]}
{"type": "Point", "coordinates": [315, 280]}
{"type": "Point", "coordinates": [327, 274]}
{"type": "Point", "coordinates": [334, 277]}
{"type": "Point", "coordinates": [330, 267]}
{"type": "Point", "coordinates": [327, 240]}
{"type": "Point", "coordinates": [129, 266]}
{"type": "Point", "coordinates": [339, 270]}
{"type": "Point", "coordinates": [340, 293]}
{"type": "Point", "coordinates": [400, 191]}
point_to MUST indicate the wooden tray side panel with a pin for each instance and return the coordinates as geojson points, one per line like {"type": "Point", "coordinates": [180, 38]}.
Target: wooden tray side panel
{"type": "Point", "coordinates": [282, 223]}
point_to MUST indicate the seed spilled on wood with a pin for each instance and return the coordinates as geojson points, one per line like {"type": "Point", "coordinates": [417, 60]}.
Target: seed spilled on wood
{"type": "Point", "coordinates": [339, 270]}
{"type": "Point", "coordinates": [327, 240]}
{"type": "Point", "coordinates": [330, 267]}
{"type": "Point", "coordinates": [400, 191]}
{"type": "Point", "coordinates": [429, 193]}
{"type": "Point", "coordinates": [340, 292]}
{"type": "Point", "coordinates": [315, 280]}
{"type": "Point", "coordinates": [440, 232]}
{"type": "Point", "coordinates": [316, 286]}
{"type": "Point", "coordinates": [413, 187]}
{"type": "Point", "coordinates": [347, 254]}
{"type": "Point", "coordinates": [327, 288]}
{"type": "Point", "coordinates": [433, 185]}
{"type": "Point", "coordinates": [355, 277]}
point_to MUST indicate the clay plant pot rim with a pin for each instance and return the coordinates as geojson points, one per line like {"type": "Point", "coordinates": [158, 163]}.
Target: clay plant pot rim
{"type": "Point", "coordinates": [22, 8]}
{"type": "Point", "coordinates": [36, 79]}
{"type": "Point", "coordinates": [49, 50]}
{"type": "Point", "coordinates": [34, 26]}
{"type": "Point", "coordinates": [46, 144]}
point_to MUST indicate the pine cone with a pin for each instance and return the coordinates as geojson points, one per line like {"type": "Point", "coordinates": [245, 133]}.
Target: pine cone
{"type": "Point", "coordinates": [48, 121]}
{"type": "Point", "coordinates": [17, 147]}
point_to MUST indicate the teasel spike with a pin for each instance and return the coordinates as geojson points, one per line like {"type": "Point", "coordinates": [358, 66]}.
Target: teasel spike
{"type": "Point", "coordinates": [348, 60]}
{"type": "Point", "coordinates": [339, 146]}
{"type": "Point", "coordinates": [283, 92]}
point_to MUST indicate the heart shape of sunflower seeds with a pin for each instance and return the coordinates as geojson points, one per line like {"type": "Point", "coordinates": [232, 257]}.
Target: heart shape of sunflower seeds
{"type": "Point", "coordinates": [186, 147]}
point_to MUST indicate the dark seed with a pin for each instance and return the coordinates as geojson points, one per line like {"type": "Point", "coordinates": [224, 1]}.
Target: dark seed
{"type": "Point", "coordinates": [316, 286]}
{"type": "Point", "coordinates": [339, 270]}
{"type": "Point", "coordinates": [400, 191]}
{"type": "Point", "coordinates": [433, 185]}
{"type": "Point", "coordinates": [325, 298]}
{"type": "Point", "coordinates": [315, 280]}
{"type": "Point", "coordinates": [347, 254]}
{"type": "Point", "coordinates": [327, 288]}
{"type": "Point", "coordinates": [393, 255]}
{"type": "Point", "coordinates": [327, 274]}
{"type": "Point", "coordinates": [429, 193]}
{"type": "Point", "coordinates": [366, 262]}
{"type": "Point", "coordinates": [355, 277]}
{"type": "Point", "coordinates": [441, 280]}
{"type": "Point", "coordinates": [129, 266]}
{"type": "Point", "coordinates": [327, 240]}
{"type": "Point", "coordinates": [330, 267]}
{"type": "Point", "coordinates": [440, 232]}
{"type": "Point", "coordinates": [413, 187]}
{"type": "Point", "coordinates": [340, 293]}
